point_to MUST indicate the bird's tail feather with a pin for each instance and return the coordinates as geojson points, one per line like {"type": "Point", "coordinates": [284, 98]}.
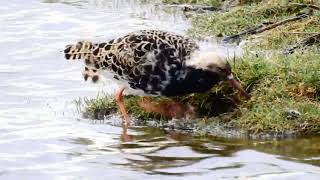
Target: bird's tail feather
{"type": "Point", "coordinates": [92, 74]}
{"type": "Point", "coordinates": [80, 50]}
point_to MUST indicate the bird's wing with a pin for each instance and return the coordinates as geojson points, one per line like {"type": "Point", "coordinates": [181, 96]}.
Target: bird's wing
{"type": "Point", "coordinates": [133, 54]}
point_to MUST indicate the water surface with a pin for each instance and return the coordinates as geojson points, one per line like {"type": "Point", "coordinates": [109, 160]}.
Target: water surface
{"type": "Point", "coordinates": [42, 136]}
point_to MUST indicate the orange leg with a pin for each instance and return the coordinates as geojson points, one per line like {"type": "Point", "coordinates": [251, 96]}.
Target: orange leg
{"type": "Point", "coordinates": [119, 99]}
{"type": "Point", "coordinates": [124, 136]}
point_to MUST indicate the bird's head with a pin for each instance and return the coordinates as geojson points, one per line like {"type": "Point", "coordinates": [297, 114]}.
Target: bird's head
{"type": "Point", "coordinates": [210, 61]}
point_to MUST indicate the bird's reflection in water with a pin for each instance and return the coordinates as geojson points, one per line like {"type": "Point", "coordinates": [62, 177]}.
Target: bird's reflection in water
{"type": "Point", "coordinates": [152, 150]}
{"type": "Point", "coordinates": [124, 135]}
{"type": "Point", "coordinates": [156, 150]}
{"type": "Point", "coordinates": [161, 152]}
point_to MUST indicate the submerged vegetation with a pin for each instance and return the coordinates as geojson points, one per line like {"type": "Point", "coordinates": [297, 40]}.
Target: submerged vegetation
{"type": "Point", "coordinates": [284, 88]}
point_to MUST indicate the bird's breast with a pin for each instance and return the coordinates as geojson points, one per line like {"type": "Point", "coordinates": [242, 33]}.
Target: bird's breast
{"type": "Point", "coordinates": [192, 81]}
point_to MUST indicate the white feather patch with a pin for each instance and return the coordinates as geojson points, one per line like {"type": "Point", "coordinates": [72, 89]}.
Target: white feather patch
{"type": "Point", "coordinates": [201, 60]}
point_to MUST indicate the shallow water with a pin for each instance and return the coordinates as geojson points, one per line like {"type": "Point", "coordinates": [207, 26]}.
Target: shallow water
{"type": "Point", "coordinates": [42, 136]}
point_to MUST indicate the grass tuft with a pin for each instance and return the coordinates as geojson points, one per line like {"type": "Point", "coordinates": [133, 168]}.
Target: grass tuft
{"type": "Point", "coordinates": [278, 83]}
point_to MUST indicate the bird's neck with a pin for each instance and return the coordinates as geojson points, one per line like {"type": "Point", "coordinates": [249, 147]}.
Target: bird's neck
{"type": "Point", "coordinates": [201, 77]}
{"type": "Point", "coordinates": [192, 81]}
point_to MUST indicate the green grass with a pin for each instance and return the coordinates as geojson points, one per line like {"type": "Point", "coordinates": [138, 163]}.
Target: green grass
{"type": "Point", "coordinates": [104, 105]}
{"type": "Point", "coordinates": [255, 13]}
{"type": "Point", "coordinates": [241, 18]}
{"type": "Point", "coordinates": [276, 83]}
{"type": "Point", "coordinates": [288, 35]}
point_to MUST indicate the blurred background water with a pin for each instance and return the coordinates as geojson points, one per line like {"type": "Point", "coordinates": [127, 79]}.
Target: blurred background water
{"type": "Point", "coordinates": [42, 135]}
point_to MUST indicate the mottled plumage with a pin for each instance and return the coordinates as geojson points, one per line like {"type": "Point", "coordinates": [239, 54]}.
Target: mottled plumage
{"type": "Point", "coordinates": [151, 61]}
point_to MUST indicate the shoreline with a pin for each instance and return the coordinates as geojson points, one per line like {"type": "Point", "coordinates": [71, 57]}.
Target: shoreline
{"type": "Point", "coordinates": [285, 88]}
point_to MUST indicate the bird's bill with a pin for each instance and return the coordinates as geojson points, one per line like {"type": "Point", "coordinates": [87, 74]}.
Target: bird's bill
{"type": "Point", "coordinates": [236, 84]}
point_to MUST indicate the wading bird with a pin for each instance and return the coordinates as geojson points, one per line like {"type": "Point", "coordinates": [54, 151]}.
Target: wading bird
{"type": "Point", "coordinates": [153, 63]}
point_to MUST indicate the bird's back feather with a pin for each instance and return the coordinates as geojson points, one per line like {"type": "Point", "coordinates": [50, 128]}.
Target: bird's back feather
{"type": "Point", "coordinates": [148, 60]}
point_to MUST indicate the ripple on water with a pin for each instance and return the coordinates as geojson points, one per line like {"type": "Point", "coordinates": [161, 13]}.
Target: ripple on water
{"type": "Point", "coordinates": [42, 136]}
